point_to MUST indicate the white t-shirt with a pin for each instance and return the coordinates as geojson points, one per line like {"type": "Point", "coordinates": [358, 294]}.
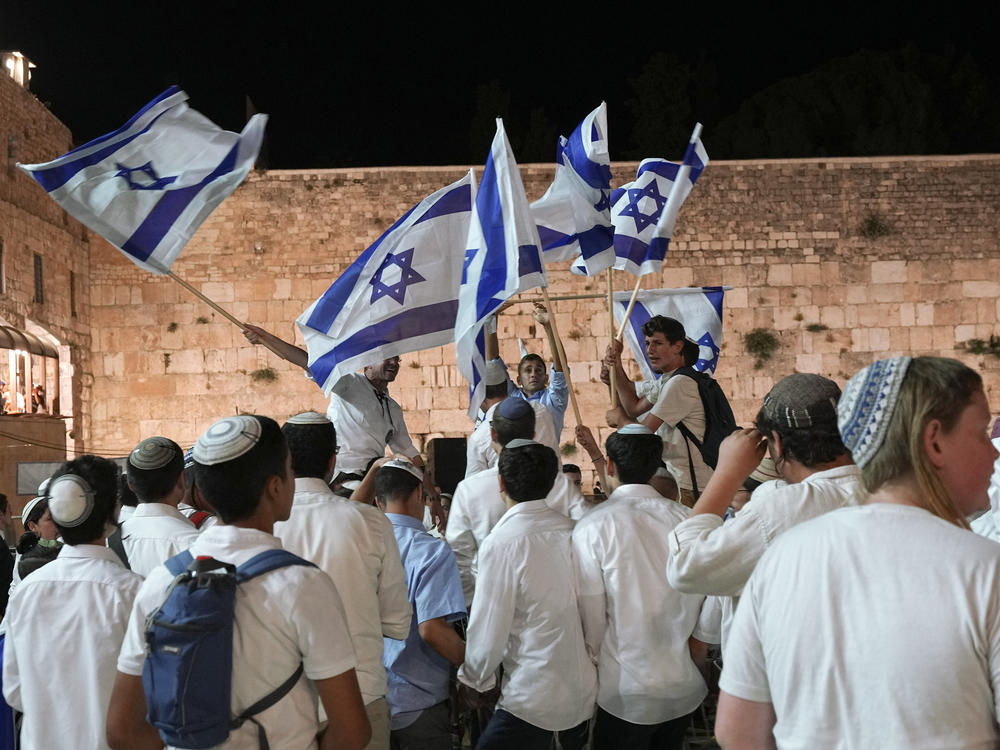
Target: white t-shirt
{"type": "Point", "coordinates": [65, 624]}
{"type": "Point", "coordinates": [873, 627]}
{"type": "Point", "coordinates": [708, 556]}
{"type": "Point", "coordinates": [530, 621]}
{"type": "Point", "coordinates": [283, 618]}
{"type": "Point", "coordinates": [675, 398]}
{"type": "Point", "coordinates": [477, 506]}
{"type": "Point", "coordinates": [366, 422]}
{"type": "Point", "coordinates": [154, 533]}
{"type": "Point", "coordinates": [479, 453]}
{"type": "Point", "coordinates": [332, 533]}
{"type": "Point", "coordinates": [635, 623]}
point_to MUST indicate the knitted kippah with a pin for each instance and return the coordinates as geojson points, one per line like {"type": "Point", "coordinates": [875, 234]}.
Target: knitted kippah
{"type": "Point", "coordinates": [634, 428]}
{"type": "Point", "coordinates": [71, 500]}
{"type": "Point", "coordinates": [398, 463]}
{"type": "Point", "coordinates": [153, 453]}
{"type": "Point", "coordinates": [496, 373]}
{"type": "Point", "coordinates": [227, 439]}
{"type": "Point", "coordinates": [308, 417]}
{"type": "Point", "coordinates": [514, 408]}
{"type": "Point", "coordinates": [521, 443]}
{"type": "Point", "coordinates": [867, 405]}
{"type": "Point", "coordinates": [802, 400]}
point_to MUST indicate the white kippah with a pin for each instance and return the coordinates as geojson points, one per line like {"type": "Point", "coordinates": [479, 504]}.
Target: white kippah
{"type": "Point", "coordinates": [71, 500]}
{"type": "Point", "coordinates": [398, 463]}
{"type": "Point", "coordinates": [44, 486]}
{"type": "Point", "coordinates": [496, 373]}
{"type": "Point", "coordinates": [866, 408]}
{"type": "Point", "coordinates": [30, 506]}
{"type": "Point", "coordinates": [227, 439]}
{"type": "Point", "coordinates": [634, 428]}
{"type": "Point", "coordinates": [308, 417]}
{"type": "Point", "coordinates": [153, 453]}
{"type": "Point", "coordinates": [520, 443]}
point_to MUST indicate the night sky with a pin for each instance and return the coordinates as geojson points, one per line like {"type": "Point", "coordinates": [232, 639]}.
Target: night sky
{"type": "Point", "coordinates": [371, 87]}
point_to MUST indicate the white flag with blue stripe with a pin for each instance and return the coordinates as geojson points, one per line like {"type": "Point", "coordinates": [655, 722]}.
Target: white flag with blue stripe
{"type": "Point", "coordinates": [502, 258]}
{"type": "Point", "coordinates": [645, 210]}
{"type": "Point", "coordinates": [399, 296]}
{"type": "Point", "coordinates": [574, 215]}
{"type": "Point", "coordinates": [148, 186]}
{"type": "Point", "coordinates": [698, 309]}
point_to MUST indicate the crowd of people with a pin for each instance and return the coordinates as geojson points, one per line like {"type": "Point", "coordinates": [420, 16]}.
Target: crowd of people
{"type": "Point", "coordinates": [828, 552]}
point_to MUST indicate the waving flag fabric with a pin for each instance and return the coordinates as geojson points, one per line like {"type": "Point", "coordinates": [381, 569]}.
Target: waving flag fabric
{"type": "Point", "coordinates": [399, 296]}
{"type": "Point", "coordinates": [573, 216]}
{"type": "Point", "coordinates": [148, 186]}
{"type": "Point", "coordinates": [699, 309]}
{"type": "Point", "coordinates": [502, 258]}
{"type": "Point", "coordinates": [644, 211]}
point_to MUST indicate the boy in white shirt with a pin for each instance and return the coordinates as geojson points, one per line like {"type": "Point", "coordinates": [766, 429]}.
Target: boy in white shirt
{"type": "Point", "coordinates": [285, 619]}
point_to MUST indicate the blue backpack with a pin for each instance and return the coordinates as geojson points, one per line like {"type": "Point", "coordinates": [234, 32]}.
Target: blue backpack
{"type": "Point", "coordinates": [188, 672]}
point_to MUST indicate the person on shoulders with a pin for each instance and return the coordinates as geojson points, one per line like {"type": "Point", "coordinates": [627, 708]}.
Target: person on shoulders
{"type": "Point", "coordinates": [287, 619]}
{"type": "Point", "coordinates": [419, 668]}
{"type": "Point", "coordinates": [156, 530]}
{"type": "Point", "coordinates": [66, 620]}
{"type": "Point", "coordinates": [354, 545]}
{"type": "Point", "coordinates": [875, 626]}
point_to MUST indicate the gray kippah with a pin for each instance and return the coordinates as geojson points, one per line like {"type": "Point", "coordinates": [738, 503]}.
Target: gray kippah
{"type": "Point", "coordinates": [802, 400]}
{"type": "Point", "coordinates": [153, 453]}
{"type": "Point", "coordinates": [496, 373]}
{"type": "Point", "coordinates": [227, 439]}
{"type": "Point", "coordinates": [398, 463]}
{"type": "Point", "coordinates": [308, 417]}
{"type": "Point", "coordinates": [514, 408]}
{"type": "Point", "coordinates": [521, 443]}
{"type": "Point", "coordinates": [71, 500]}
{"type": "Point", "coordinates": [634, 428]}
{"type": "Point", "coordinates": [867, 405]}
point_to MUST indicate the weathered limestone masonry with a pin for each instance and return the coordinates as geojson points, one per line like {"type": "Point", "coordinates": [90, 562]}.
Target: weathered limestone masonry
{"type": "Point", "coordinates": [799, 241]}
{"type": "Point", "coordinates": [30, 223]}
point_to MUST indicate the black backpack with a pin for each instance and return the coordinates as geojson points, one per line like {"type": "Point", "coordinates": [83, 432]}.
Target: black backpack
{"type": "Point", "coordinates": [719, 421]}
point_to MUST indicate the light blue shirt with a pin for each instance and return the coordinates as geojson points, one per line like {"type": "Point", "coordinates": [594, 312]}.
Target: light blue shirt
{"type": "Point", "coordinates": [417, 674]}
{"type": "Point", "coordinates": [555, 398]}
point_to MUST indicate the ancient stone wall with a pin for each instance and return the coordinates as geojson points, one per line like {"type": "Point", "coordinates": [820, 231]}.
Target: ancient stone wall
{"type": "Point", "coordinates": [844, 260]}
{"type": "Point", "coordinates": [32, 223]}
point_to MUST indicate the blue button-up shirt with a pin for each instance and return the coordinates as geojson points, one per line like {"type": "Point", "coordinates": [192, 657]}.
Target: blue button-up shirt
{"type": "Point", "coordinates": [417, 674]}
{"type": "Point", "coordinates": [555, 398]}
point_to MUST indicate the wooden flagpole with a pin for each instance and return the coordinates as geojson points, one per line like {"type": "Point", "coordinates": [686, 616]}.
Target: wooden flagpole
{"type": "Point", "coordinates": [561, 353]}
{"type": "Point", "coordinates": [611, 337]}
{"type": "Point", "coordinates": [204, 299]}
{"type": "Point", "coordinates": [628, 310]}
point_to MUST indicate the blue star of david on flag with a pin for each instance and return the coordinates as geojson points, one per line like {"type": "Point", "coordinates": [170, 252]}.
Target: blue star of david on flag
{"type": "Point", "coordinates": [155, 181]}
{"type": "Point", "coordinates": [404, 262]}
{"type": "Point", "coordinates": [634, 209]}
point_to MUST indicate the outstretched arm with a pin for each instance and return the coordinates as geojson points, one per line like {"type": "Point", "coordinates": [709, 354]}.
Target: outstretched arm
{"type": "Point", "coordinates": [541, 316]}
{"type": "Point", "coordinates": [285, 350]}
{"type": "Point", "coordinates": [585, 438]}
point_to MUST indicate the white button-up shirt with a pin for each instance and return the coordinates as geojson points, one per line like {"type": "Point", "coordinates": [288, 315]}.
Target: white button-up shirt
{"type": "Point", "coordinates": [290, 616]}
{"type": "Point", "coordinates": [332, 533]}
{"type": "Point", "coordinates": [530, 621]}
{"type": "Point", "coordinates": [477, 506]}
{"type": "Point", "coordinates": [65, 624]}
{"type": "Point", "coordinates": [636, 623]}
{"type": "Point", "coordinates": [154, 533]}
{"type": "Point", "coordinates": [366, 422]}
{"type": "Point", "coordinates": [479, 453]}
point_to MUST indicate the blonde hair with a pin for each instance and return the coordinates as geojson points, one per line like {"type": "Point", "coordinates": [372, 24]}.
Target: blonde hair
{"type": "Point", "coordinates": [933, 388]}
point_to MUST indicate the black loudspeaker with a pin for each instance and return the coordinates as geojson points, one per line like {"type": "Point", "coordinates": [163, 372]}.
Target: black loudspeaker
{"type": "Point", "coordinates": [446, 458]}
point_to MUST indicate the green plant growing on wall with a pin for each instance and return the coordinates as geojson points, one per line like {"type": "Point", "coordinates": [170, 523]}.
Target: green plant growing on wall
{"type": "Point", "coordinates": [979, 346]}
{"type": "Point", "coordinates": [817, 327]}
{"type": "Point", "coordinates": [568, 449]}
{"type": "Point", "coordinates": [166, 361]}
{"type": "Point", "coordinates": [874, 226]}
{"type": "Point", "coordinates": [264, 375]}
{"type": "Point", "coordinates": [762, 344]}
{"type": "Point", "coordinates": [201, 319]}
{"type": "Point", "coordinates": [171, 328]}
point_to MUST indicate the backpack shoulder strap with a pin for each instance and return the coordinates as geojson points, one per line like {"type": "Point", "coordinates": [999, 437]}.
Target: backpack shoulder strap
{"type": "Point", "coordinates": [116, 546]}
{"type": "Point", "coordinates": [198, 517]}
{"type": "Point", "coordinates": [265, 703]}
{"type": "Point", "coordinates": [267, 561]}
{"type": "Point", "coordinates": [179, 562]}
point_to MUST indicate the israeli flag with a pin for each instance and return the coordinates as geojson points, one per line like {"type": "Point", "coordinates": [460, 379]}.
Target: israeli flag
{"type": "Point", "coordinates": [502, 258]}
{"type": "Point", "coordinates": [698, 309]}
{"type": "Point", "coordinates": [399, 296]}
{"type": "Point", "coordinates": [644, 212]}
{"type": "Point", "coordinates": [574, 215]}
{"type": "Point", "coordinates": [148, 186]}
